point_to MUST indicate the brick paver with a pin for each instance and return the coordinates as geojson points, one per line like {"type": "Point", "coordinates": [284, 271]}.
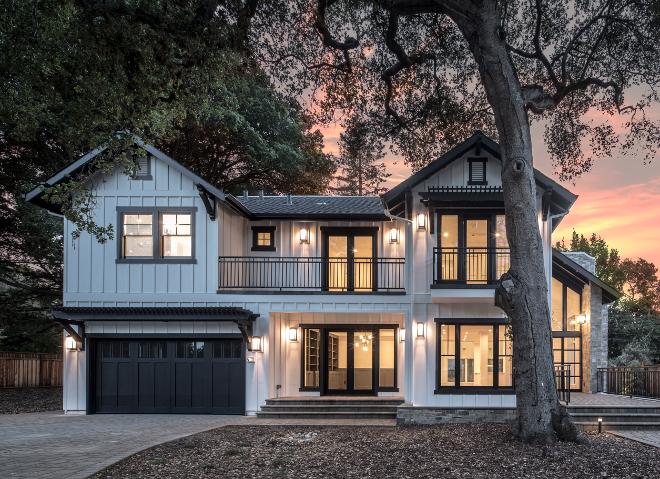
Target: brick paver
{"type": "Point", "coordinates": [582, 399]}
{"type": "Point", "coordinates": [54, 445]}
{"type": "Point", "coordinates": [652, 438]}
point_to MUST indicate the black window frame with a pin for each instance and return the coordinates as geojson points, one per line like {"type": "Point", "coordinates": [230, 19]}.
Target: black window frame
{"type": "Point", "coordinates": [157, 234]}
{"type": "Point", "coordinates": [568, 283]}
{"type": "Point", "coordinates": [255, 238]}
{"type": "Point", "coordinates": [471, 181]}
{"type": "Point", "coordinates": [350, 232]}
{"type": "Point", "coordinates": [496, 323]}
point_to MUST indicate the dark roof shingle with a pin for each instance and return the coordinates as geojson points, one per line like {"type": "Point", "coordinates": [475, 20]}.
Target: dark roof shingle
{"type": "Point", "coordinates": [315, 206]}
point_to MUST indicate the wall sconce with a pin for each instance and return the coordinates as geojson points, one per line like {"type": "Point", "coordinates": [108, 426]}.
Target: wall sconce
{"type": "Point", "coordinates": [600, 425]}
{"type": "Point", "coordinates": [71, 343]}
{"type": "Point", "coordinates": [402, 335]}
{"type": "Point", "coordinates": [421, 221]}
{"type": "Point", "coordinates": [394, 235]}
{"type": "Point", "coordinates": [304, 236]}
{"type": "Point", "coordinates": [293, 335]}
{"type": "Point", "coordinates": [420, 330]}
{"type": "Point", "coordinates": [255, 344]}
{"type": "Point", "coordinates": [581, 318]}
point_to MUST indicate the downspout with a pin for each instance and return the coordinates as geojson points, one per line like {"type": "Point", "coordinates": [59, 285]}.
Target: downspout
{"type": "Point", "coordinates": [549, 256]}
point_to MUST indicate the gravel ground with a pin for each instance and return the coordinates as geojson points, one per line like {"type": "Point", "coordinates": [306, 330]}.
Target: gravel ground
{"type": "Point", "coordinates": [14, 401]}
{"type": "Point", "coordinates": [466, 451]}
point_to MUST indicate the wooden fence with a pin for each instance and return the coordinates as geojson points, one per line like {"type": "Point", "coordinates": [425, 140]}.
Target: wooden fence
{"type": "Point", "coordinates": [30, 370]}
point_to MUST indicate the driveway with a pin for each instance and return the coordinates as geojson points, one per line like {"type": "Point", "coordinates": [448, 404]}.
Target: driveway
{"type": "Point", "coordinates": [54, 445]}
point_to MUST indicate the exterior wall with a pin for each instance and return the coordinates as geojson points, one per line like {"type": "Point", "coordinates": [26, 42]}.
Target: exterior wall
{"type": "Point", "coordinates": [408, 415]}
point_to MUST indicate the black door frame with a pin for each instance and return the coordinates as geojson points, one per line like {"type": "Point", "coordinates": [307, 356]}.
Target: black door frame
{"type": "Point", "coordinates": [350, 233]}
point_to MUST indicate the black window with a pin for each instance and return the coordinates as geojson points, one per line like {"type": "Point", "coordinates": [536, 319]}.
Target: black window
{"type": "Point", "coordinates": [263, 238]}
{"type": "Point", "coordinates": [477, 171]}
{"type": "Point", "coordinates": [189, 349]}
{"type": "Point", "coordinates": [116, 350]}
{"type": "Point", "coordinates": [152, 349]}
{"type": "Point", "coordinates": [227, 349]}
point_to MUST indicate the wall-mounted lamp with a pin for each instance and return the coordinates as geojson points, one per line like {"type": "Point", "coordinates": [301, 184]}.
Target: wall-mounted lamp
{"type": "Point", "coordinates": [394, 235]}
{"type": "Point", "coordinates": [600, 425]}
{"type": "Point", "coordinates": [581, 319]}
{"type": "Point", "coordinates": [293, 335]}
{"type": "Point", "coordinates": [71, 343]}
{"type": "Point", "coordinates": [421, 221]}
{"type": "Point", "coordinates": [304, 236]}
{"type": "Point", "coordinates": [255, 344]}
{"type": "Point", "coordinates": [420, 330]}
{"type": "Point", "coordinates": [402, 335]}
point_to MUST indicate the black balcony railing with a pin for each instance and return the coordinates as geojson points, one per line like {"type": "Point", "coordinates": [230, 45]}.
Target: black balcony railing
{"type": "Point", "coordinates": [315, 274]}
{"type": "Point", "coordinates": [469, 265]}
{"type": "Point", "coordinates": [643, 381]}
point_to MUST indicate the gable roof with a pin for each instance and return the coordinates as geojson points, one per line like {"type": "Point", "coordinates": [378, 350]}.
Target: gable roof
{"type": "Point", "coordinates": [314, 207]}
{"type": "Point", "coordinates": [36, 194]}
{"type": "Point", "coordinates": [569, 267]}
{"type": "Point", "coordinates": [561, 199]}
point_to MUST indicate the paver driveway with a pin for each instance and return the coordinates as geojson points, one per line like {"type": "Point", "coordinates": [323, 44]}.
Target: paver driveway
{"type": "Point", "coordinates": [54, 445]}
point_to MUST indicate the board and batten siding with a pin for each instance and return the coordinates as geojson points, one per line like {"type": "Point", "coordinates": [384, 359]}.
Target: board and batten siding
{"type": "Point", "coordinates": [90, 266]}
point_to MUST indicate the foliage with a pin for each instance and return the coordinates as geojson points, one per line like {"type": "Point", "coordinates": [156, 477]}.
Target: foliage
{"type": "Point", "coordinates": [359, 151]}
{"type": "Point", "coordinates": [633, 337]}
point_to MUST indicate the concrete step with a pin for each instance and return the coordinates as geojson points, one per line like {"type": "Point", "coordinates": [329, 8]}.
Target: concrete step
{"type": "Point", "coordinates": [325, 415]}
{"type": "Point", "coordinates": [315, 408]}
{"type": "Point", "coordinates": [620, 426]}
{"type": "Point", "coordinates": [612, 410]}
{"type": "Point", "coordinates": [324, 401]}
{"type": "Point", "coordinates": [616, 417]}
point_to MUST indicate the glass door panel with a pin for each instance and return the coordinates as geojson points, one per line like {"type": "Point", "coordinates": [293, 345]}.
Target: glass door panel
{"type": "Point", "coordinates": [386, 358]}
{"type": "Point", "coordinates": [362, 361]}
{"type": "Point", "coordinates": [476, 242]}
{"type": "Point", "coordinates": [337, 346]}
{"type": "Point", "coordinates": [449, 247]}
{"type": "Point", "coordinates": [312, 356]}
{"type": "Point", "coordinates": [502, 259]}
{"type": "Point", "coordinates": [337, 263]}
{"type": "Point", "coordinates": [476, 354]}
{"type": "Point", "coordinates": [363, 272]}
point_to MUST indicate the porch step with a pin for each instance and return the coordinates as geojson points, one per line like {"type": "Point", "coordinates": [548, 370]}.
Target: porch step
{"type": "Point", "coordinates": [615, 417]}
{"type": "Point", "coordinates": [330, 408]}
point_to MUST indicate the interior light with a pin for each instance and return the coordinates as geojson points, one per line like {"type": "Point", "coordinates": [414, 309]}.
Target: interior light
{"type": "Point", "coordinates": [304, 236]}
{"type": "Point", "coordinates": [497, 234]}
{"type": "Point", "coordinates": [446, 234]}
{"type": "Point", "coordinates": [357, 345]}
{"type": "Point", "coordinates": [293, 335]}
{"type": "Point", "coordinates": [420, 330]}
{"type": "Point", "coordinates": [421, 221]}
{"type": "Point", "coordinates": [354, 251]}
{"type": "Point", "coordinates": [365, 348]}
{"type": "Point", "coordinates": [394, 235]}
{"type": "Point", "coordinates": [255, 343]}
{"type": "Point", "coordinates": [402, 335]}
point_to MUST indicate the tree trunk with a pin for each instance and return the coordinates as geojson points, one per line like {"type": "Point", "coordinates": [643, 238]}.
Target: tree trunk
{"type": "Point", "coordinates": [522, 292]}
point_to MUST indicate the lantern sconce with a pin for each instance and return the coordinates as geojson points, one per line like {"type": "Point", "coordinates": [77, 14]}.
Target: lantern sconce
{"type": "Point", "coordinates": [304, 236]}
{"type": "Point", "coordinates": [255, 344]}
{"type": "Point", "coordinates": [420, 330]}
{"type": "Point", "coordinates": [71, 343]}
{"type": "Point", "coordinates": [581, 319]}
{"type": "Point", "coordinates": [402, 335]}
{"type": "Point", "coordinates": [293, 335]}
{"type": "Point", "coordinates": [394, 235]}
{"type": "Point", "coordinates": [421, 221]}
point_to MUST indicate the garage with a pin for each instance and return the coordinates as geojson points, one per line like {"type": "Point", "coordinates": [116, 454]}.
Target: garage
{"type": "Point", "coordinates": [170, 376]}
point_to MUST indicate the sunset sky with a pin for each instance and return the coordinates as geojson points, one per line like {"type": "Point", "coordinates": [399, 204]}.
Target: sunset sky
{"type": "Point", "coordinates": [619, 199]}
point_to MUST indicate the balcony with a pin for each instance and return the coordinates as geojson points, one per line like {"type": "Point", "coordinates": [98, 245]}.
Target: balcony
{"type": "Point", "coordinates": [469, 266]}
{"type": "Point", "coordinates": [347, 275]}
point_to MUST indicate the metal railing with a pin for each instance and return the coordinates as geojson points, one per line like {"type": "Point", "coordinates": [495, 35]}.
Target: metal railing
{"type": "Point", "coordinates": [311, 273]}
{"type": "Point", "coordinates": [643, 381]}
{"type": "Point", "coordinates": [563, 378]}
{"type": "Point", "coordinates": [469, 265]}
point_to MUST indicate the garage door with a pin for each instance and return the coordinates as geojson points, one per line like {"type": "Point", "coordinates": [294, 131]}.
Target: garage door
{"type": "Point", "coordinates": [174, 376]}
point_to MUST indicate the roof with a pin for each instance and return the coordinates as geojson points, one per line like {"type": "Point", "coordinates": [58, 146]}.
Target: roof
{"type": "Point", "coordinates": [567, 266]}
{"type": "Point", "coordinates": [314, 207]}
{"type": "Point", "coordinates": [560, 200]}
{"type": "Point", "coordinates": [84, 313]}
{"type": "Point", "coordinates": [36, 194]}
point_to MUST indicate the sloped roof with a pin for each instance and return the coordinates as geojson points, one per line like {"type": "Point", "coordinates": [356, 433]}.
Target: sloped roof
{"type": "Point", "coordinates": [313, 206]}
{"type": "Point", "coordinates": [560, 201]}
{"type": "Point", "coordinates": [570, 267]}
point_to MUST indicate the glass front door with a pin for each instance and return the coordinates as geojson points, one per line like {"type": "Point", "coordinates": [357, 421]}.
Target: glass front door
{"type": "Point", "coordinates": [350, 261]}
{"type": "Point", "coordinates": [349, 368]}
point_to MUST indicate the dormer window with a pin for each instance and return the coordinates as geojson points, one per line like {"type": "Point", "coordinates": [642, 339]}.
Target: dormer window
{"type": "Point", "coordinates": [477, 171]}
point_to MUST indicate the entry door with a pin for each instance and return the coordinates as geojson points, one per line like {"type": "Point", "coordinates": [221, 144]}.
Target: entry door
{"type": "Point", "coordinates": [350, 262]}
{"type": "Point", "coordinates": [349, 362]}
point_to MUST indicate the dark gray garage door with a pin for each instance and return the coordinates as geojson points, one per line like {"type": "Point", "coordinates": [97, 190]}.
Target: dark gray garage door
{"type": "Point", "coordinates": [170, 376]}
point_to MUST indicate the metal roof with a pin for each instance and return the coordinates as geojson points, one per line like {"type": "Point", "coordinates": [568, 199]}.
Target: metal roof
{"type": "Point", "coordinates": [84, 313]}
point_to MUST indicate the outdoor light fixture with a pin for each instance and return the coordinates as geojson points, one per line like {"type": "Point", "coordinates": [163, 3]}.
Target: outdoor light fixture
{"type": "Point", "coordinates": [600, 425]}
{"type": "Point", "coordinates": [581, 319]}
{"type": "Point", "coordinates": [304, 236]}
{"type": "Point", "coordinates": [402, 335]}
{"type": "Point", "coordinates": [420, 330]}
{"type": "Point", "coordinates": [255, 344]}
{"type": "Point", "coordinates": [293, 335]}
{"type": "Point", "coordinates": [71, 343]}
{"type": "Point", "coordinates": [421, 221]}
{"type": "Point", "coordinates": [394, 235]}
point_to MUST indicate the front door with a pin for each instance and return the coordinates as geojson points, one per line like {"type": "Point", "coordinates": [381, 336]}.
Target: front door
{"type": "Point", "coordinates": [349, 362]}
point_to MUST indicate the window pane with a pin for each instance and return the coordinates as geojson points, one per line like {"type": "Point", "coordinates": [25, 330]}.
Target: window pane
{"type": "Point", "coordinates": [386, 358]}
{"type": "Point", "coordinates": [263, 239]}
{"type": "Point", "coordinates": [107, 349]}
{"type": "Point", "coordinates": [177, 246]}
{"type": "Point", "coordinates": [557, 310]}
{"type": "Point", "coordinates": [180, 350]}
{"type": "Point", "coordinates": [505, 363]}
{"type": "Point", "coordinates": [125, 350]}
{"type": "Point", "coordinates": [476, 241]}
{"type": "Point", "coordinates": [362, 359]}
{"type": "Point", "coordinates": [153, 349]}
{"type": "Point", "coordinates": [447, 340]}
{"type": "Point", "coordinates": [138, 246]}
{"type": "Point", "coordinates": [312, 355]}
{"type": "Point", "coordinates": [362, 263]}
{"type": "Point", "coordinates": [500, 232]}
{"type": "Point", "coordinates": [182, 220]}
{"type": "Point", "coordinates": [183, 230]}
{"type": "Point", "coordinates": [190, 349]}
{"type": "Point", "coordinates": [217, 349]}
{"type": "Point", "coordinates": [162, 346]}
{"type": "Point", "coordinates": [130, 229]}
{"type": "Point", "coordinates": [572, 310]}
{"type": "Point", "coordinates": [502, 258]}
{"type": "Point", "coordinates": [237, 348]}
{"type": "Point", "coordinates": [116, 349]}
{"type": "Point", "coordinates": [476, 350]}
{"type": "Point", "coordinates": [449, 239]}
{"type": "Point", "coordinates": [143, 349]}
{"type": "Point", "coordinates": [338, 263]}
{"type": "Point", "coordinates": [169, 224]}
{"type": "Point", "coordinates": [447, 351]}
{"type": "Point", "coordinates": [199, 349]}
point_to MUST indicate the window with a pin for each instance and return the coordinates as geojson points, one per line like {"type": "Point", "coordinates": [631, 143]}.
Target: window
{"type": "Point", "coordinates": [566, 307]}
{"type": "Point", "coordinates": [156, 235]}
{"type": "Point", "coordinates": [116, 350]}
{"type": "Point", "coordinates": [351, 254]}
{"type": "Point", "coordinates": [263, 238]}
{"type": "Point", "coordinates": [152, 349]}
{"type": "Point", "coordinates": [144, 168]}
{"type": "Point", "coordinates": [566, 331]}
{"type": "Point", "coordinates": [467, 355]}
{"type": "Point", "coordinates": [477, 171]}
{"type": "Point", "coordinates": [189, 349]}
{"type": "Point", "coordinates": [227, 349]}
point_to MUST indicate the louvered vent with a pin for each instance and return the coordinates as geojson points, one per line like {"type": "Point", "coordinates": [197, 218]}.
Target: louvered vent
{"type": "Point", "coordinates": [143, 166]}
{"type": "Point", "coordinates": [477, 172]}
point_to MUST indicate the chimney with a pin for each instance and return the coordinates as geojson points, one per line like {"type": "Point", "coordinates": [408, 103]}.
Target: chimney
{"type": "Point", "coordinates": [288, 199]}
{"type": "Point", "coordinates": [245, 194]}
{"type": "Point", "coordinates": [261, 193]}
{"type": "Point", "coordinates": [585, 260]}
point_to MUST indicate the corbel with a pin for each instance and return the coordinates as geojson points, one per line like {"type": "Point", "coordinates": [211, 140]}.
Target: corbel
{"type": "Point", "coordinates": [209, 201]}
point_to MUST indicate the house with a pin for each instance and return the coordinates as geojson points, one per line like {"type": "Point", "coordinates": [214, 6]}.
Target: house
{"type": "Point", "coordinates": [205, 302]}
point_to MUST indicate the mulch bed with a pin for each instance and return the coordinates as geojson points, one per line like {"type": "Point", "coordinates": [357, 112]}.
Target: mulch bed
{"type": "Point", "coordinates": [465, 451]}
{"type": "Point", "coordinates": [14, 401]}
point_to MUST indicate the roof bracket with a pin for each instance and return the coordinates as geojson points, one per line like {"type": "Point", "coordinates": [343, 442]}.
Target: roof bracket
{"type": "Point", "coordinates": [209, 201]}
{"type": "Point", "coordinates": [78, 336]}
{"type": "Point", "coordinates": [245, 327]}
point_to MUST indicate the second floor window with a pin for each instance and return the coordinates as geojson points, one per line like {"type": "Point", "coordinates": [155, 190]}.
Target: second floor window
{"type": "Point", "coordinates": [138, 236]}
{"type": "Point", "coordinates": [177, 240]}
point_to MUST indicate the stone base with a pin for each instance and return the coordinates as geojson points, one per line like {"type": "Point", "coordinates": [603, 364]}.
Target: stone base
{"type": "Point", "coordinates": [409, 415]}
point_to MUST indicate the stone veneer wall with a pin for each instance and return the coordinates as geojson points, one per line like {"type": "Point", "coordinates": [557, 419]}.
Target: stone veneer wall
{"type": "Point", "coordinates": [409, 415]}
